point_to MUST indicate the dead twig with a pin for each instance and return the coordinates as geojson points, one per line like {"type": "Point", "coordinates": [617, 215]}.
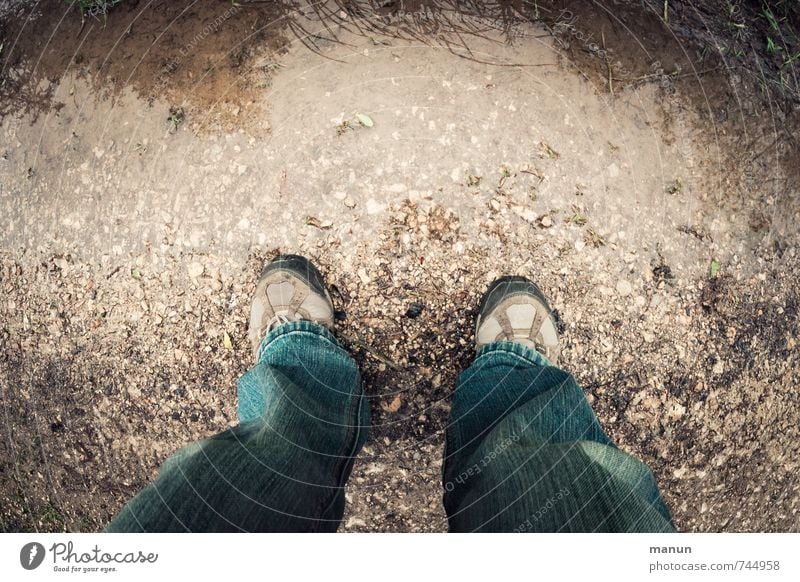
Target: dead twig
{"type": "Point", "coordinates": [378, 355]}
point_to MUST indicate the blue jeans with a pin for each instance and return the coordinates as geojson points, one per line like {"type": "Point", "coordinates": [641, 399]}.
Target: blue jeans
{"type": "Point", "coordinates": [524, 451]}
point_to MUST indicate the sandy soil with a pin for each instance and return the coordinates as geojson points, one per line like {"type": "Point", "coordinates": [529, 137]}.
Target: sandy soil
{"type": "Point", "coordinates": [656, 210]}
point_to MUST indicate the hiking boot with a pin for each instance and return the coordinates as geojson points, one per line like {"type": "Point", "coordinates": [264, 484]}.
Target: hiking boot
{"type": "Point", "coordinates": [290, 289]}
{"type": "Point", "coordinates": [514, 309]}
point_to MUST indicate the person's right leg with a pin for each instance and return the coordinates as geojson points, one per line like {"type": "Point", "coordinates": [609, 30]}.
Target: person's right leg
{"type": "Point", "coordinates": [524, 449]}
{"type": "Point", "coordinates": [303, 417]}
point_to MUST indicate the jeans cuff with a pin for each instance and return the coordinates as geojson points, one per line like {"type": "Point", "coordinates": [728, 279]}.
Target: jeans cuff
{"type": "Point", "coordinates": [529, 354]}
{"type": "Point", "coordinates": [301, 325]}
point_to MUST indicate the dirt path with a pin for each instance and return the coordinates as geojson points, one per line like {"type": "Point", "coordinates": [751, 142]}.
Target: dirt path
{"type": "Point", "coordinates": [134, 226]}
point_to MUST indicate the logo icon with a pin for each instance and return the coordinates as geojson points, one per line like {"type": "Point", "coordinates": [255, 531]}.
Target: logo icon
{"type": "Point", "coordinates": [31, 555]}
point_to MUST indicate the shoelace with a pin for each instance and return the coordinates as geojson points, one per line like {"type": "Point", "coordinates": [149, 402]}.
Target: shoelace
{"type": "Point", "coordinates": [277, 319]}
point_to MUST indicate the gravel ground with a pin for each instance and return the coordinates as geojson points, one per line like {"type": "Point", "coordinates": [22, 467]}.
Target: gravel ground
{"type": "Point", "coordinates": [130, 249]}
{"type": "Point", "coordinates": [108, 368]}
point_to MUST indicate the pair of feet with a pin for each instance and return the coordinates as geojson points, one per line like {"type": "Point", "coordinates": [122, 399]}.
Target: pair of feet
{"type": "Point", "coordinates": [291, 288]}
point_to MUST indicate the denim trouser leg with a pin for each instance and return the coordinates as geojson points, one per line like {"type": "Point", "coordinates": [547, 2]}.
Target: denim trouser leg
{"type": "Point", "coordinates": [525, 452]}
{"type": "Point", "coordinates": [303, 417]}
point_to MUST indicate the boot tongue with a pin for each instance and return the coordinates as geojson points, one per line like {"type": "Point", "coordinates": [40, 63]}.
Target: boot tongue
{"type": "Point", "coordinates": [280, 296]}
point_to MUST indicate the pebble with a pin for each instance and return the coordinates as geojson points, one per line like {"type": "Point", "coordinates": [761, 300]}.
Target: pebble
{"type": "Point", "coordinates": [524, 213]}
{"type": "Point", "coordinates": [355, 522]}
{"type": "Point", "coordinates": [624, 288]}
{"type": "Point", "coordinates": [415, 310]}
{"type": "Point", "coordinates": [195, 269]}
{"type": "Point", "coordinates": [375, 207]}
{"type": "Point", "coordinates": [675, 411]}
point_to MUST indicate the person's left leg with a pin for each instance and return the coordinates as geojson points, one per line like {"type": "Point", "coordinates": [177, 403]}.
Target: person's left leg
{"type": "Point", "coordinates": [303, 418]}
{"type": "Point", "coordinates": [525, 452]}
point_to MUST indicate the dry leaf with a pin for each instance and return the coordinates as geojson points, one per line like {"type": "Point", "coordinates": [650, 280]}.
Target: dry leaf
{"type": "Point", "coordinates": [316, 222]}
{"type": "Point", "coordinates": [393, 406]}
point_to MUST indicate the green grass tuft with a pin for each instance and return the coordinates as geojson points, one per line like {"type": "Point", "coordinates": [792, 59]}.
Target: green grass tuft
{"type": "Point", "coordinates": [94, 8]}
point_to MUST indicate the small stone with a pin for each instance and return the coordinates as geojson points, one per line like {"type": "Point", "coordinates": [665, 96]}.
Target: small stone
{"type": "Point", "coordinates": [61, 263]}
{"type": "Point", "coordinates": [375, 207]}
{"type": "Point", "coordinates": [624, 288]}
{"type": "Point", "coordinates": [349, 202]}
{"type": "Point", "coordinates": [415, 310]}
{"type": "Point", "coordinates": [195, 270]}
{"type": "Point", "coordinates": [546, 221]}
{"type": "Point", "coordinates": [525, 213]}
{"type": "Point", "coordinates": [362, 274]}
{"type": "Point", "coordinates": [355, 522]}
{"type": "Point", "coordinates": [675, 411]}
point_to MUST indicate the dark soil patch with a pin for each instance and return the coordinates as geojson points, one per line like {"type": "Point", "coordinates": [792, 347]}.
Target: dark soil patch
{"type": "Point", "coordinates": [212, 55]}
